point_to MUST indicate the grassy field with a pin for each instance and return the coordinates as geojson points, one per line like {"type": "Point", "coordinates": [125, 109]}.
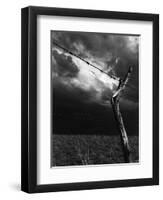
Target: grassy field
{"type": "Point", "coordinates": [70, 150]}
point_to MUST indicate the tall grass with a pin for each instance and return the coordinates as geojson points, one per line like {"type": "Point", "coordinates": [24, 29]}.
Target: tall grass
{"type": "Point", "coordinates": [70, 150]}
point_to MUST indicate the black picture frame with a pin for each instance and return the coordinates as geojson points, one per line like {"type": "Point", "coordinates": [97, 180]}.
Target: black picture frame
{"type": "Point", "coordinates": [29, 99]}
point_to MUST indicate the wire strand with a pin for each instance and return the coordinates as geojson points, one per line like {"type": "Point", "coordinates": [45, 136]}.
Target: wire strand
{"type": "Point", "coordinates": [88, 63]}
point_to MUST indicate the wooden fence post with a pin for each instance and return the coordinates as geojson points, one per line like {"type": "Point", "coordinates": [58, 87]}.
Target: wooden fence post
{"type": "Point", "coordinates": [118, 116]}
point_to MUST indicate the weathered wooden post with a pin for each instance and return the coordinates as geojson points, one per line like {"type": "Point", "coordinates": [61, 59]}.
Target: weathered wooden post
{"type": "Point", "coordinates": [118, 116]}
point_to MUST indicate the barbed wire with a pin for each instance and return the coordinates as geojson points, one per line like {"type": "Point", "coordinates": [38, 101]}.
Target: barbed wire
{"type": "Point", "coordinates": [88, 63]}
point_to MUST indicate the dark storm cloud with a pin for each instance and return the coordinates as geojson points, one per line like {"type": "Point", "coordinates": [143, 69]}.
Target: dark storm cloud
{"type": "Point", "coordinates": [114, 53]}
{"type": "Point", "coordinates": [97, 44]}
{"type": "Point", "coordinates": [70, 93]}
{"type": "Point", "coordinates": [63, 65]}
{"type": "Point", "coordinates": [74, 114]}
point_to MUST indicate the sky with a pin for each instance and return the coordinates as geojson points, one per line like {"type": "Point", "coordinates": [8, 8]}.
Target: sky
{"type": "Point", "coordinates": [81, 93]}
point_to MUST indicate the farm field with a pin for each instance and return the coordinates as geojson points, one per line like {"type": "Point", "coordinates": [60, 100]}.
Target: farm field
{"type": "Point", "coordinates": [68, 150]}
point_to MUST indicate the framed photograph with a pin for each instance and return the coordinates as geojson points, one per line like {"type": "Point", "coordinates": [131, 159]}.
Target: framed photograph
{"type": "Point", "coordinates": [90, 99]}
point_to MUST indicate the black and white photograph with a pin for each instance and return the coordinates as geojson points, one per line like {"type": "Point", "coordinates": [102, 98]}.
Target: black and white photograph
{"type": "Point", "coordinates": [94, 98]}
